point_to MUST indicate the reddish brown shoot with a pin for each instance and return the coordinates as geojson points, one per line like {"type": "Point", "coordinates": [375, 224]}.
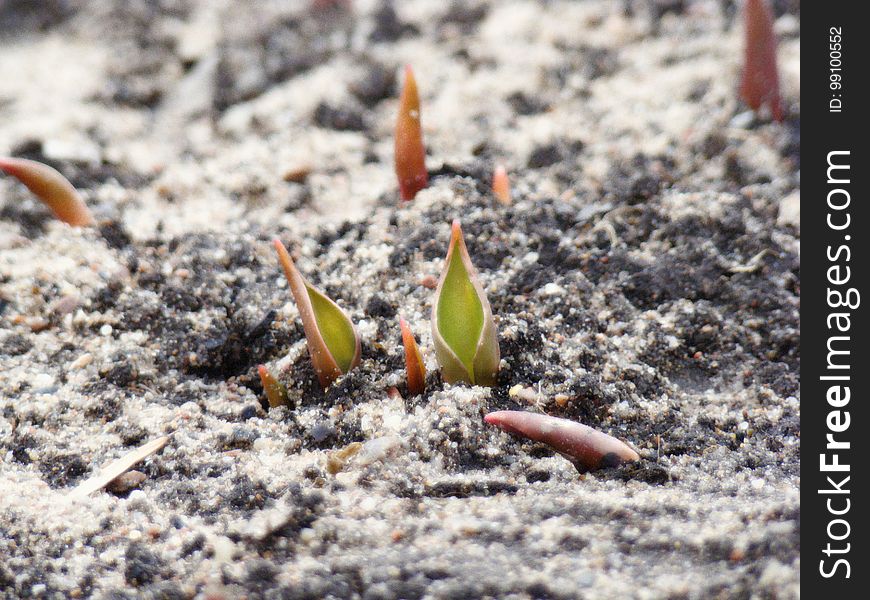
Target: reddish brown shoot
{"type": "Point", "coordinates": [52, 188]}
{"type": "Point", "coordinates": [409, 150]}
{"type": "Point", "coordinates": [416, 370]}
{"type": "Point", "coordinates": [759, 82]}
{"type": "Point", "coordinates": [501, 187]}
{"type": "Point", "coordinates": [275, 391]}
{"type": "Point", "coordinates": [587, 448]}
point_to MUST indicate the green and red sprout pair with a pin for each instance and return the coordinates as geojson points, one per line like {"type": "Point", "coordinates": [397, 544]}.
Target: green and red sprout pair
{"type": "Point", "coordinates": [463, 328]}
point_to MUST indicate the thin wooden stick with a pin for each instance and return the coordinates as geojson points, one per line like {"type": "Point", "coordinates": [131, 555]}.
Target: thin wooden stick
{"type": "Point", "coordinates": [117, 468]}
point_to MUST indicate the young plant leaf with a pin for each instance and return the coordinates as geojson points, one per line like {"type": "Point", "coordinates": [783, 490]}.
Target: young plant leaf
{"type": "Point", "coordinates": [332, 339]}
{"type": "Point", "coordinates": [466, 343]}
{"type": "Point", "coordinates": [275, 391]}
{"type": "Point", "coordinates": [759, 82]}
{"type": "Point", "coordinates": [52, 188]}
{"type": "Point", "coordinates": [416, 370]}
{"type": "Point", "coordinates": [501, 187]}
{"type": "Point", "coordinates": [409, 150]}
{"type": "Point", "coordinates": [587, 448]}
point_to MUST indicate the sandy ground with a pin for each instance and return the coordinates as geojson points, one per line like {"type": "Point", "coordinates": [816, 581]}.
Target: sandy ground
{"type": "Point", "coordinates": [646, 281]}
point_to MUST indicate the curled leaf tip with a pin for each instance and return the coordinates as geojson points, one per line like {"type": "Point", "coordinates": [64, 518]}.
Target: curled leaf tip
{"type": "Point", "coordinates": [759, 81]}
{"type": "Point", "coordinates": [414, 367]}
{"type": "Point", "coordinates": [586, 447]}
{"type": "Point", "coordinates": [51, 187]}
{"type": "Point", "coordinates": [275, 391]}
{"type": "Point", "coordinates": [501, 187]}
{"type": "Point", "coordinates": [410, 154]}
{"type": "Point", "coordinates": [463, 328]}
{"type": "Point", "coordinates": [333, 343]}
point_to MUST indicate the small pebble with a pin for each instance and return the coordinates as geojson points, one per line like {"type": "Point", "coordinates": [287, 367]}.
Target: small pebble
{"type": "Point", "coordinates": [307, 536]}
{"type": "Point", "coordinates": [378, 448]}
{"type": "Point", "coordinates": [335, 461]}
{"type": "Point", "coordinates": [43, 383]}
{"type": "Point", "coordinates": [742, 120]}
{"type": "Point", "coordinates": [82, 361]}
{"type": "Point", "coordinates": [297, 174]}
{"type": "Point", "coordinates": [525, 394]}
{"type": "Point", "coordinates": [126, 482]}
{"type": "Point", "coordinates": [790, 210]}
{"type": "Point", "coordinates": [553, 289]}
{"type": "Point", "coordinates": [429, 282]}
{"type": "Point", "coordinates": [223, 548]}
{"type": "Point", "coordinates": [66, 305]}
{"type": "Point", "coordinates": [38, 324]}
{"type": "Point", "coordinates": [138, 499]}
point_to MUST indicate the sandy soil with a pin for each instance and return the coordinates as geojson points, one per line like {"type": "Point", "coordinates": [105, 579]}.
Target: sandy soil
{"type": "Point", "coordinates": [646, 281]}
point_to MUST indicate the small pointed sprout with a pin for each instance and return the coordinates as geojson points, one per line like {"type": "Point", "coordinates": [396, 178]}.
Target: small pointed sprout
{"type": "Point", "coordinates": [501, 187]}
{"type": "Point", "coordinates": [275, 391]}
{"type": "Point", "coordinates": [759, 82]}
{"type": "Point", "coordinates": [414, 367]}
{"type": "Point", "coordinates": [409, 150]}
{"type": "Point", "coordinates": [587, 448]}
{"type": "Point", "coordinates": [466, 343]}
{"type": "Point", "coordinates": [52, 188]}
{"type": "Point", "coordinates": [332, 339]}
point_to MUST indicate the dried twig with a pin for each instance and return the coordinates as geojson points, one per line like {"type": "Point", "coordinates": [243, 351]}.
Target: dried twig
{"type": "Point", "coordinates": [118, 467]}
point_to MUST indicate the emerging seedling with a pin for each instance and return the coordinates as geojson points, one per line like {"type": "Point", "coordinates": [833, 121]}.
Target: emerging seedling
{"type": "Point", "coordinates": [463, 329]}
{"type": "Point", "coordinates": [501, 187]}
{"type": "Point", "coordinates": [587, 448]}
{"type": "Point", "coordinates": [52, 188]}
{"type": "Point", "coordinates": [332, 340]}
{"type": "Point", "coordinates": [759, 82]}
{"type": "Point", "coordinates": [275, 391]}
{"type": "Point", "coordinates": [414, 366]}
{"type": "Point", "coordinates": [409, 150]}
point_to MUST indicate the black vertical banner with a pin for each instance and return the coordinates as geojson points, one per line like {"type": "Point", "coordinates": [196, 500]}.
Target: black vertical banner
{"type": "Point", "coordinates": [835, 377]}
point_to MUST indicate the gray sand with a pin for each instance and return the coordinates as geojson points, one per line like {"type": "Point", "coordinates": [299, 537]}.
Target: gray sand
{"type": "Point", "coordinates": [645, 281]}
